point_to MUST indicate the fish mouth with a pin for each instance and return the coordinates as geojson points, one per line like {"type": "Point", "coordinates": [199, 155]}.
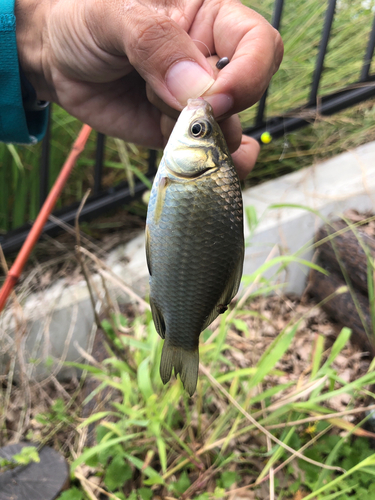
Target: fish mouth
{"type": "Point", "coordinates": [199, 103]}
{"type": "Point", "coordinates": [193, 175]}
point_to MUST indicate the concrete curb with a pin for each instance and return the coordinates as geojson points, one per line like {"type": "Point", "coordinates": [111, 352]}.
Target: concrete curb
{"type": "Point", "coordinates": [331, 187]}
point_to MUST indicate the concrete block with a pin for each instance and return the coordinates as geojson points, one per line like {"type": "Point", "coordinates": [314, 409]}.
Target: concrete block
{"type": "Point", "coordinates": [329, 188]}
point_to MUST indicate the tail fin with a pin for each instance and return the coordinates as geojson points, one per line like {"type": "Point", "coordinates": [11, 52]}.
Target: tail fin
{"type": "Point", "coordinates": [184, 362]}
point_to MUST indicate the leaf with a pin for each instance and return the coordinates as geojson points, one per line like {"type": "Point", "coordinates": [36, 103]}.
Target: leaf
{"type": "Point", "coordinates": [144, 380]}
{"type": "Point", "coordinates": [369, 378]}
{"type": "Point", "coordinates": [162, 453]}
{"type": "Point", "coordinates": [101, 433]}
{"type": "Point", "coordinates": [277, 452]}
{"type": "Point", "coordinates": [251, 217]}
{"type": "Point", "coordinates": [270, 392]}
{"type": "Point", "coordinates": [348, 426]}
{"type": "Point", "coordinates": [241, 325]}
{"type": "Point", "coordinates": [93, 418]}
{"type": "Point", "coordinates": [154, 477]}
{"type": "Point", "coordinates": [137, 344]}
{"type": "Point", "coordinates": [272, 355]}
{"type": "Point", "coordinates": [317, 355]}
{"type": "Point", "coordinates": [219, 493]}
{"type": "Point", "coordinates": [58, 406]}
{"type": "Point", "coordinates": [27, 455]}
{"type": "Point", "coordinates": [121, 496]}
{"type": "Point", "coordinates": [337, 347]}
{"type": "Point", "coordinates": [240, 373]}
{"type": "Point", "coordinates": [80, 366]}
{"type": "Point", "coordinates": [92, 461]}
{"type": "Point", "coordinates": [283, 259]}
{"type": "Point", "coordinates": [349, 489]}
{"type": "Point", "coordinates": [145, 493]}
{"type": "Point", "coordinates": [89, 452]}
{"type": "Point", "coordinates": [337, 480]}
{"type": "Point", "coordinates": [117, 473]}
{"type": "Point", "coordinates": [297, 206]}
{"type": "Point", "coordinates": [369, 470]}
{"type": "Point", "coordinates": [72, 494]}
{"type": "Point", "coordinates": [228, 478]}
{"type": "Point", "coordinates": [43, 418]}
{"type": "Point", "coordinates": [16, 157]}
{"type": "Point", "coordinates": [181, 485]}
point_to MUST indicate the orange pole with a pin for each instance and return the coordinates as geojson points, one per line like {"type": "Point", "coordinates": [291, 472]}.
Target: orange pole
{"type": "Point", "coordinates": [34, 234]}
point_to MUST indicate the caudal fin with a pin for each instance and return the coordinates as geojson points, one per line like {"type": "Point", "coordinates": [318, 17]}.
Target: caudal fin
{"type": "Point", "coordinates": [184, 362]}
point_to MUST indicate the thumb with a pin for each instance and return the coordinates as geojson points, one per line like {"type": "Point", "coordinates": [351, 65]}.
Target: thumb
{"type": "Point", "coordinates": [158, 48]}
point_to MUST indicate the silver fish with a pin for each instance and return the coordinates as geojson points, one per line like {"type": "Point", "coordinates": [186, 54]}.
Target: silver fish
{"type": "Point", "coordinates": [194, 238]}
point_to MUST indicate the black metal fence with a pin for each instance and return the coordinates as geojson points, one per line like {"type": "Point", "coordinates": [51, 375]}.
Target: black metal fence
{"type": "Point", "coordinates": [103, 200]}
{"type": "Point", "coordinates": [294, 119]}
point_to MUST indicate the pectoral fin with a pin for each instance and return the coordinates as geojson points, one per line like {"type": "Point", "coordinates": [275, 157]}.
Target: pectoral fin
{"type": "Point", "coordinates": [148, 250]}
{"type": "Point", "coordinates": [160, 198]}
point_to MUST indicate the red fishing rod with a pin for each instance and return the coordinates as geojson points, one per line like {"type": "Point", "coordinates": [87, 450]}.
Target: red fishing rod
{"type": "Point", "coordinates": [18, 265]}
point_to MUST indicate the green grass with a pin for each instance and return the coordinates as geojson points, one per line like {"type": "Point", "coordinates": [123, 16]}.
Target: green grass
{"type": "Point", "coordinates": [155, 440]}
{"type": "Point", "coordinates": [20, 170]}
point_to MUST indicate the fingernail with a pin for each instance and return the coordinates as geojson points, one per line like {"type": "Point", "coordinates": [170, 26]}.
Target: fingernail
{"type": "Point", "coordinates": [221, 103]}
{"type": "Point", "coordinates": [187, 80]}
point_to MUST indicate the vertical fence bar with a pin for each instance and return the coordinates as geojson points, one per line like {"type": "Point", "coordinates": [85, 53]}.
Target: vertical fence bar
{"type": "Point", "coordinates": [368, 56]}
{"type": "Point", "coordinates": [276, 20]}
{"type": "Point", "coordinates": [330, 13]}
{"type": "Point", "coordinates": [99, 157]}
{"type": "Point", "coordinates": [44, 163]}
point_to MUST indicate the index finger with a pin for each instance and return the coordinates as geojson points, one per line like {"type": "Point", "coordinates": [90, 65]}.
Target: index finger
{"type": "Point", "coordinates": [255, 50]}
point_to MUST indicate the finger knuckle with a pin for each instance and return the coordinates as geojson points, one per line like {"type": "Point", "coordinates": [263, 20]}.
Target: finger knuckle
{"type": "Point", "coordinates": [150, 36]}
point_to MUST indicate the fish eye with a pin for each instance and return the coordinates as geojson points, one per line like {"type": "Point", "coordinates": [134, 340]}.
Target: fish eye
{"type": "Point", "coordinates": [201, 129]}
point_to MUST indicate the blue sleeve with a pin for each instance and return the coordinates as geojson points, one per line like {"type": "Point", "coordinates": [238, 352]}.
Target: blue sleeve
{"type": "Point", "coordinates": [17, 124]}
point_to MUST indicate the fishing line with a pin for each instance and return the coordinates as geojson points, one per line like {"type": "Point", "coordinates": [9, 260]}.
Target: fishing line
{"type": "Point", "coordinates": [221, 63]}
{"type": "Point", "coordinates": [200, 41]}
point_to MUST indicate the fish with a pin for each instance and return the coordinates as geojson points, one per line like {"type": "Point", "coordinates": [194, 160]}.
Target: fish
{"type": "Point", "coordinates": [194, 238]}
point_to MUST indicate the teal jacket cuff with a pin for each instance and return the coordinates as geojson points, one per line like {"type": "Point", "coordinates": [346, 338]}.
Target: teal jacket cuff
{"type": "Point", "coordinates": [17, 125]}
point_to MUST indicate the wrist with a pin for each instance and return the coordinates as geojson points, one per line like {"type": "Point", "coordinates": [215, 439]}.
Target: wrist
{"type": "Point", "coordinates": [31, 35]}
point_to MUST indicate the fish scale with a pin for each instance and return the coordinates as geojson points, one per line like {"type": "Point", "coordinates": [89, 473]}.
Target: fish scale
{"type": "Point", "coordinates": [194, 240]}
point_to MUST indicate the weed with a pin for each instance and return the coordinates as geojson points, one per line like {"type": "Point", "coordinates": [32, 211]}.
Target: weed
{"type": "Point", "coordinates": [57, 414]}
{"type": "Point", "coordinates": [26, 456]}
{"type": "Point", "coordinates": [156, 440]}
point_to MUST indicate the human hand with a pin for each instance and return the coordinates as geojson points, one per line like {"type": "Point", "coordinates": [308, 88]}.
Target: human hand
{"type": "Point", "coordinates": [96, 58]}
